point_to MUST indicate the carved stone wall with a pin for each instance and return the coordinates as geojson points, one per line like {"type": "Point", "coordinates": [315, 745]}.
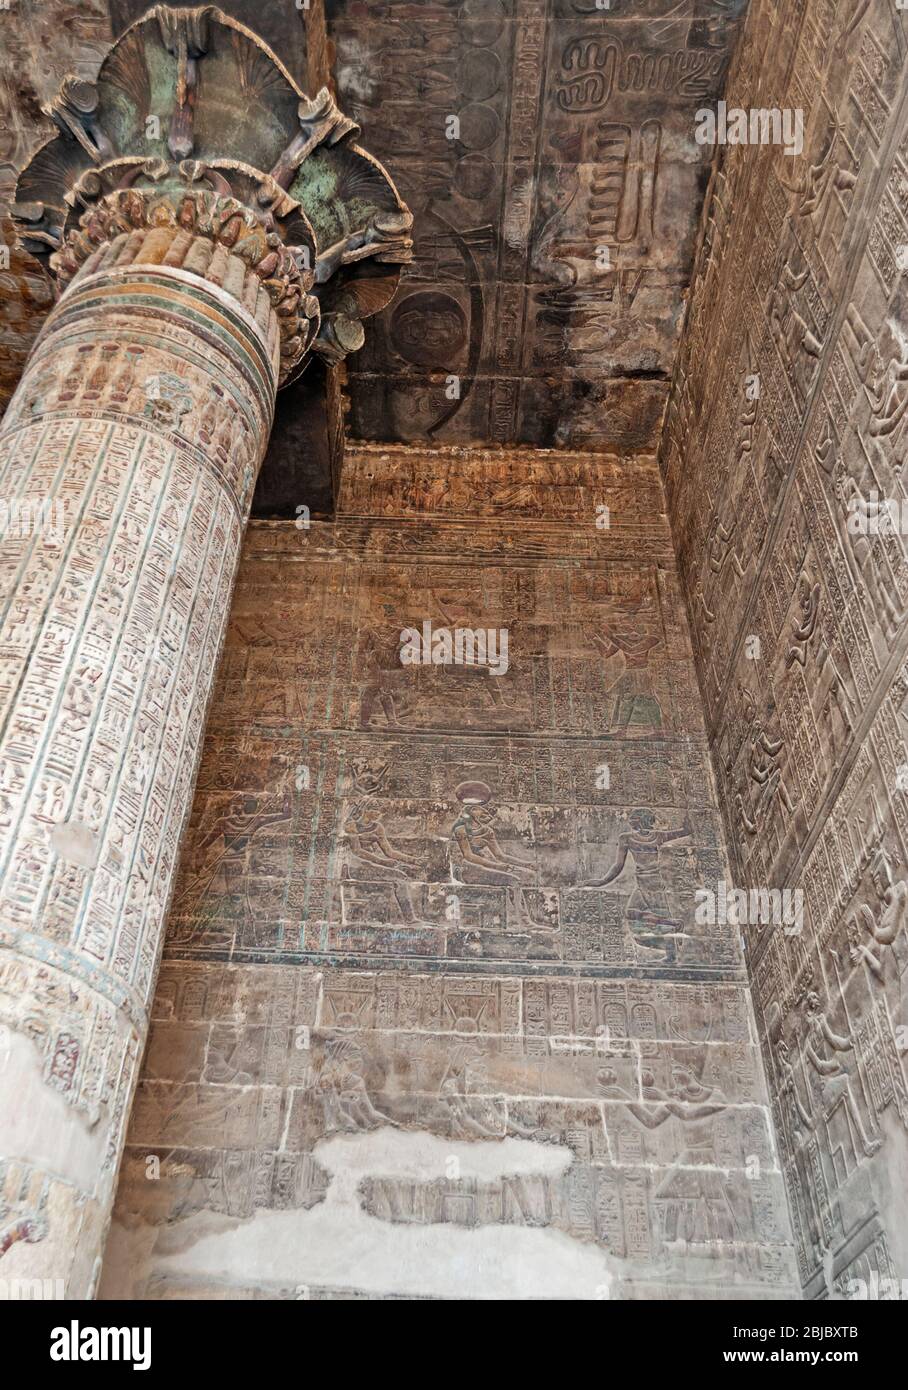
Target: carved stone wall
{"type": "Point", "coordinates": [407, 1040]}
{"type": "Point", "coordinates": [529, 136]}
{"type": "Point", "coordinates": [39, 46]}
{"type": "Point", "coordinates": [785, 437]}
{"type": "Point", "coordinates": [42, 44]}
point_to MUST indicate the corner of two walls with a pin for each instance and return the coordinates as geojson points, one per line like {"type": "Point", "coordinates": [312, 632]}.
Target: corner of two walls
{"type": "Point", "coordinates": [785, 435]}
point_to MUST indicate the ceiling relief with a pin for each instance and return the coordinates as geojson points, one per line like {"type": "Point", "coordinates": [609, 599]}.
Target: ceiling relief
{"type": "Point", "coordinates": [35, 56]}
{"type": "Point", "coordinates": [548, 152]}
{"type": "Point", "coordinates": [547, 148]}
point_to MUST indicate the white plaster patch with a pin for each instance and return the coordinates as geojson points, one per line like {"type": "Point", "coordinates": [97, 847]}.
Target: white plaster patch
{"type": "Point", "coordinates": [39, 1126]}
{"type": "Point", "coordinates": [75, 842]}
{"type": "Point", "coordinates": [339, 1245]}
{"type": "Point", "coordinates": [416, 1156]}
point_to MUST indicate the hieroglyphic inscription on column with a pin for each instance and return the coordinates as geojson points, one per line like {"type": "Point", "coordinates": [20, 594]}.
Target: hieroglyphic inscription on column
{"type": "Point", "coordinates": [129, 452]}
{"type": "Point", "coordinates": [129, 456]}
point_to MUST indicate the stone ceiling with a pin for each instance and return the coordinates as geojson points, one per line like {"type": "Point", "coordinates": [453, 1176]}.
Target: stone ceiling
{"type": "Point", "coordinates": [573, 130]}
{"type": "Point", "coordinates": [576, 131]}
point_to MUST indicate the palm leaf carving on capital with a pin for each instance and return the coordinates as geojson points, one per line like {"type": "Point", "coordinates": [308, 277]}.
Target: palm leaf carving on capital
{"type": "Point", "coordinates": [191, 98]}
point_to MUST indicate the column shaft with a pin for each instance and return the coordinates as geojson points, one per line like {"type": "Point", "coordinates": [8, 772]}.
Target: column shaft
{"type": "Point", "coordinates": [127, 461]}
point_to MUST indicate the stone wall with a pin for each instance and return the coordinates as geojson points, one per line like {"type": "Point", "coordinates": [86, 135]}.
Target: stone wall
{"type": "Point", "coordinates": [788, 421]}
{"type": "Point", "coordinates": [406, 1040]}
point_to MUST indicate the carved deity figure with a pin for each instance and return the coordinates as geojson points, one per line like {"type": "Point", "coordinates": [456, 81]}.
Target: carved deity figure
{"type": "Point", "coordinates": [342, 1086]}
{"type": "Point", "coordinates": [380, 653]}
{"type": "Point", "coordinates": [764, 768]}
{"type": "Point", "coordinates": [798, 1132]}
{"type": "Point", "coordinates": [649, 913]}
{"type": "Point", "coordinates": [366, 840]}
{"type": "Point", "coordinates": [697, 1211]}
{"type": "Point", "coordinates": [820, 179]}
{"type": "Point", "coordinates": [475, 676]}
{"type": "Point", "coordinates": [798, 345]}
{"type": "Point", "coordinates": [885, 920]}
{"type": "Point", "coordinates": [834, 1083]}
{"type": "Point", "coordinates": [220, 856]}
{"type": "Point", "coordinates": [477, 856]}
{"type": "Point", "coordinates": [806, 628]}
{"type": "Point", "coordinates": [882, 365]}
{"type": "Point", "coordinates": [798, 1117]}
{"type": "Point", "coordinates": [464, 1108]}
{"type": "Point", "coordinates": [626, 646]}
{"type": "Point", "coordinates": [857, 518]}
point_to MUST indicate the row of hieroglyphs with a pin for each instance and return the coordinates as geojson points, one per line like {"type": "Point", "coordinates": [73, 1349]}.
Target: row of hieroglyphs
{"type": "Point", "coordinates": [593, 69]}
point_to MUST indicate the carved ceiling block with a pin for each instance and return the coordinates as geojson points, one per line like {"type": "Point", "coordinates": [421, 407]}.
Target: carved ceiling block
{"type": "Point", "coordinates": [530, 139]}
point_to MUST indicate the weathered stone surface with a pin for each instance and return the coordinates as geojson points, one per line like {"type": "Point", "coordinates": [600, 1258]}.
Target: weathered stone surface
{"type": "Point", "coordinates": [798, 598]}
{"type": "Point", "coordinates": [575, 134]}
{"type": "Point", "coordinates": [27, 292]}
{"type": "Point", "coordinates": [41, 45]}
{"type": "Point", "coordinates": [403, 1046]}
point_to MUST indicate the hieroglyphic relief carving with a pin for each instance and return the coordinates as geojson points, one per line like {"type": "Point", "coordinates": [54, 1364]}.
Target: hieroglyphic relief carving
{"type": "Point", "coordinates": [39, 51]}
{"type": "Point", "coordinates": [801, 663]}
{"type": "Point", "coordinates": [570, 120]}
{"type": "Point", "coordinates": [651, 1172]}
{"type": "Point", "coordinates": [387, 869]}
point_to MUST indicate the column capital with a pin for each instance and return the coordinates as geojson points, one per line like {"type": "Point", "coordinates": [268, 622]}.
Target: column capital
{"type": "Point", "coordinates": [257, 255]}
{"type": "Point", "coordinates": [195, 126]}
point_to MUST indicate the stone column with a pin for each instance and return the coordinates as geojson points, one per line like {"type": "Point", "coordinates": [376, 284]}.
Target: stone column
{"type": "Point", "coordinates": [128, 457]}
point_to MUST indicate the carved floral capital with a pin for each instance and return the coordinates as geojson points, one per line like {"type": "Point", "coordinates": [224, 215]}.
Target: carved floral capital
{"type": "Point", "coordinates": [194, 122]}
